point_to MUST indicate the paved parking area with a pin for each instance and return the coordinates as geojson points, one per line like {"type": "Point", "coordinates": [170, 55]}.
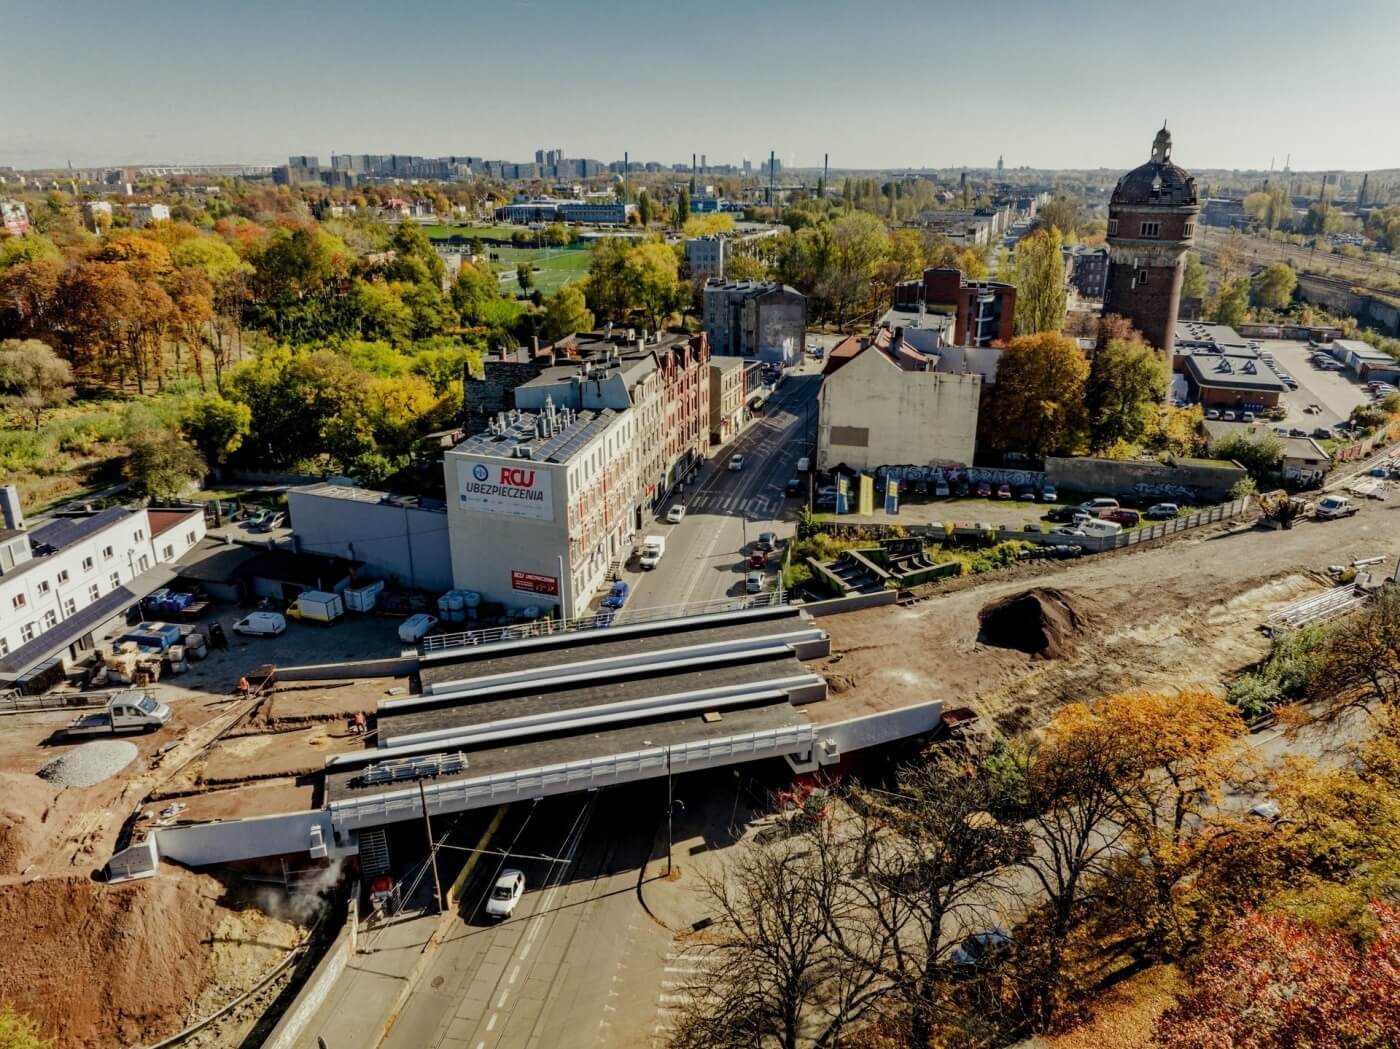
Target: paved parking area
{"type": "Point", "coordinates": [1336, 393]}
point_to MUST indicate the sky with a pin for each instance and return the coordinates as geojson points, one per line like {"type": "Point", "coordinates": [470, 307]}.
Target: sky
{"type": "Point", "coordinates": [874, 83]}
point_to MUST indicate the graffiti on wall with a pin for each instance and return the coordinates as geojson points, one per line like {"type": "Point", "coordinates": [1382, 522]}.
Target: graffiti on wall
{"type": "Point", "coordinates": [1163, 490]}
{"type": "Point", "coordinates": [971, 474]}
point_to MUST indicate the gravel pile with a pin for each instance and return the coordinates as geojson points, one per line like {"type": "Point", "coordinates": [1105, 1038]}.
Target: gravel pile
{"type": "Point", "coordinates": [91, 763]}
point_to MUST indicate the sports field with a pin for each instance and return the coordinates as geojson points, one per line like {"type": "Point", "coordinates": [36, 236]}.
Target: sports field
{"type": "Point", "coordinates": [554, 267]}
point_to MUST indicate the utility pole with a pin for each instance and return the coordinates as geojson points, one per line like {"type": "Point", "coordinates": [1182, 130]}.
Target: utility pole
{"type": "Point", "coordinates": [432, 851]}
{"type": "Point", "coordinates": [669, 806]}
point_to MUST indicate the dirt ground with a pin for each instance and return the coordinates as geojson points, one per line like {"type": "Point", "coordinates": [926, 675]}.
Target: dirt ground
{"type": "Point", "coordinates": [105, 966]}
{"type": "Point", "coordinates": [1184, 613]}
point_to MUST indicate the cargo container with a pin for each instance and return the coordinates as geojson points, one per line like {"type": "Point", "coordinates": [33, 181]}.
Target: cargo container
{"type": "Point", "coordinates": [364, 598]}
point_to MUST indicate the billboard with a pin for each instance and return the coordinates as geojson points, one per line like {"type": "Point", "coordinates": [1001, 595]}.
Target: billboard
{"type": "Point", "coordinates": [867, 494]}
{"type": "Point", "coordinates": [891, 496]}
{"type": "Point", "coordinates": [522, 490]}
{"type": "Point", "coordinates": [533, 583]}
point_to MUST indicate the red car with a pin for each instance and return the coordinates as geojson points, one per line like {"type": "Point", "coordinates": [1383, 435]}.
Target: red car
{"type": "Point", "coordinates": [1004, 492]}
{"type": "Point", "coordinates": [984, 490]}
{"type": "Point", "coordinates": [1126, 518]}
{"type": "Point", "coordinates": [758, 559]}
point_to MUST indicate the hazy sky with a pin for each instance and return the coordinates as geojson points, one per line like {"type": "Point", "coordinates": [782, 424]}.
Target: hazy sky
{"type": "Point", "coordinates": [877, 83]}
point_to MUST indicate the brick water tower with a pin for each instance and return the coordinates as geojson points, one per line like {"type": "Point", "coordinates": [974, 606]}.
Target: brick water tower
{"type": "Point", "coordinates": [1151, 222]}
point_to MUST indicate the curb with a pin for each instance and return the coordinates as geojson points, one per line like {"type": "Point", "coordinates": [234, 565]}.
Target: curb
{"type": "Point", "coordinates": [641, 880]}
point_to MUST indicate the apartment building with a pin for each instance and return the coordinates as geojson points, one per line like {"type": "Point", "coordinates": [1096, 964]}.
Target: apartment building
{"type": "Point", "coordinates": [983, 311]}
{"type": "Point", "coordinates": [760, 319]}
{"type": "Point", "coordinates": [64, 580]}
{"type": "Point", "coordinates": [726, 398]}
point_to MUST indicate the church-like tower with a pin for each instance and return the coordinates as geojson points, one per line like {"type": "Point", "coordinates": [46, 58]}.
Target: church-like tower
{"type": "Point", "coordinates": [1151, 223]}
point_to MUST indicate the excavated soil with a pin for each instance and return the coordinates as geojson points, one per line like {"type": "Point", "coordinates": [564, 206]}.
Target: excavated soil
{"type": "Point", "coordinates": [1042, 622]}
{"type": "Point", "coordinates": [24, 809]}
{"type": "Point", "coordinates": [106, 966]}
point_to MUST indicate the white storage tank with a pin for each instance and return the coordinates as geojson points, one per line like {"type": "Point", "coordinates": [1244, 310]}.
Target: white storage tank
{"type": "Point", "coordinates": [471, 602]}
{"type": "Point", "coordinates": [456, 607]}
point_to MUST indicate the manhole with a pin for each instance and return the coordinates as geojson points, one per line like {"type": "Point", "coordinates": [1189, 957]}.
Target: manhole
{"type": "Point", "coordinates": [438, 981]}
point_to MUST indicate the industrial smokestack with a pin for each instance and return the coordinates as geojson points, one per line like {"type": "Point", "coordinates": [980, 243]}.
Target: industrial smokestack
{"type": "Point", "coordinates": [826, 173]}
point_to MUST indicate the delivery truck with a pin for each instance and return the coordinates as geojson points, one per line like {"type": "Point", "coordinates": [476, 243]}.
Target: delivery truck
{"type": "Point", "coordinates": [125, 712]}
{"type": "Point", "coordinates": [318, 606]}
{"type": "Point", "coordinates": [653, 546]}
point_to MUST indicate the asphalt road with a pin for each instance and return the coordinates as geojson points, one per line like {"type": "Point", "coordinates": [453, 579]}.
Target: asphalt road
{"type": "Point", "coordinates": [726, 510]}
{"type": "Point", "coordinates": [579, 963]}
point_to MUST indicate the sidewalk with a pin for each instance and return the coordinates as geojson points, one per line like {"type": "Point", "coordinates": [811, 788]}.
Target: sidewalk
{"type": "Point", "coordinates": [357, 1006]}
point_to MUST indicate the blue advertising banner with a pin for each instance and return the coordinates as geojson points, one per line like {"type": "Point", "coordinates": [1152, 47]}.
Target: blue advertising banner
{"type": "Point", "coordinates": [891, 496]}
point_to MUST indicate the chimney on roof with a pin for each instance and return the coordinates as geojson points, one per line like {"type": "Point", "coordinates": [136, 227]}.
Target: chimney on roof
{"type": "Point", "coordinates": [10, 509]}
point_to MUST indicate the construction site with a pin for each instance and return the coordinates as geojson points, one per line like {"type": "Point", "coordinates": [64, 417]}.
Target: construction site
{"type": "Point", "coordinates": [169, 883]}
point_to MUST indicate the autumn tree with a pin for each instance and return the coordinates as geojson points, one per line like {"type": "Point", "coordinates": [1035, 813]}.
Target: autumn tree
{"type": "Point", "coordinates": [1281, 983]}
{"type": "Point", "coordinates": [1258, 454]}
{"type": "Point", "coordinates": [645, 213]}
{"type": "Point", "coordinates": [1360, 666]}
{"type": "Point", "coordinates": [1274, 286]}
{"type": "Point", "coordinates": [216, 426]}
{"type": "Point", "coordinates": [33, 378]}
{"type": "Point", "coordinates": [1039, 269]}
{"type": "Point", "coordinates": [1125, 389]}
{"type": "Point", "coordinates": [682, 208]}
{"type": "Point", "coordinates": [161, 464]}
{"type": "Point", "coordinates": [931, 864]}
{"type": "Point", "coordinates": [1193, 280]}
{"type": "Point", "coordinates": [524, 276]}
{"type": "Point", "coordinates": [1038, 406]}
{"type": "Point", "coordinates": [859, 242]}
{"type": "Point", "coordinates": [566, 312]}
{"type": "Point", "coordinates": [1230, 303]}
{"type": "Point", "coordinates": [1270, 206]}
{"type": "Point", "coordinates": [474, 289]}
{"type": "Point", "coordinates": [774, 972]}
{"type": "Point", "coordinates": [1062, 214]}
{"type": "Point", "coordinates": [1174, 760]}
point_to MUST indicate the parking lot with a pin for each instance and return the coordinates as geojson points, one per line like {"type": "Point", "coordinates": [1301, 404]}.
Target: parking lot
{"type": "Point", "coordinates": [1335, 393]}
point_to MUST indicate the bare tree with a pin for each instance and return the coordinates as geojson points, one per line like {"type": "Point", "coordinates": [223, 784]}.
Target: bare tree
{"type": "Point", "coordinates": [773, 974]}
{"type": "Point", "coordinates": [932, 870]}
{"type": "Point", "coordinates": [1360, 667]}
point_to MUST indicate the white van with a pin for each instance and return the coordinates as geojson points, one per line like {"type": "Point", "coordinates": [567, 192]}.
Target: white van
{"type": "Point", "coordinates": [804, 464]}
{"type": "Point", "coordinates": [1101, 529]}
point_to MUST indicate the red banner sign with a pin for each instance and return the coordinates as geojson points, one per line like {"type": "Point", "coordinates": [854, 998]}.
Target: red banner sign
{"type": "Point", "coordinates": [532, 583]}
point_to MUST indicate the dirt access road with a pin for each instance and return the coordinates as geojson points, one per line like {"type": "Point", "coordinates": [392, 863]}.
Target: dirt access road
{"type": "Point", "coordinates": [1184, 613]}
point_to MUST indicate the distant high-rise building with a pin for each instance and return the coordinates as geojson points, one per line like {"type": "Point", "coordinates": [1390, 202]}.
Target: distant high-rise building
{"type": "Point", "coordinates": [539, 156]}
{"type": "Point", "coordinates": [1000, 167]}
{"type": "Point", "coordinates": [1151, 223]}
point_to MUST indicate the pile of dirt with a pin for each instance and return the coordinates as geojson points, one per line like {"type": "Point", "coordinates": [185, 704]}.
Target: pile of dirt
{"type": "Point", "coordinates": [101, 966]}
{"type": "Point", "coordinates": [24, 807]}
{"type": "Point", "coordinates": [1042, 621]}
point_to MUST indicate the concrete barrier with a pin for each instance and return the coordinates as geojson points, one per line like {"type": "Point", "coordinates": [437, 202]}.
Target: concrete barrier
{"type": "Point", "coordinates": [850, 604]}
{"type": "Point", "coordinates": [223, 841]}
{"type": "Point", "coordinates": [388, 666]}
{"type": "Point", "coordinates": [287, 1034]}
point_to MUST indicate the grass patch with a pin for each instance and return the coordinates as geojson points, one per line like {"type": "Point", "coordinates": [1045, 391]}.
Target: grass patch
{"type": "Point", "coordinates": [447, 232]}
{"type": "Point", "coordinates": [1283, 676]}
{"type": "Point", "coordinates": [552, 267]}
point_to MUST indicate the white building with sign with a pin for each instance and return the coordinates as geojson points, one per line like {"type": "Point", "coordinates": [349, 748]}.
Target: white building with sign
{"type": "Point", "coordinates": [541, 505]}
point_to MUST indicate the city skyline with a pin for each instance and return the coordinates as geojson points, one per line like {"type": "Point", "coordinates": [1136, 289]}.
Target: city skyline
{"type": "Point", "coordinates": [429, 78]}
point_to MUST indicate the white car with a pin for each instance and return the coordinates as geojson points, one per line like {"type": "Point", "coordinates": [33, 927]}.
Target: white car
{"type": "Point", "coordinates": [736, 462]}
{"type": "Point", "coordinates": [261, 624]}
{"type": "Point", "coordinates": [676, 514]}
{"type": "Point", "coordinates": [505, 894]}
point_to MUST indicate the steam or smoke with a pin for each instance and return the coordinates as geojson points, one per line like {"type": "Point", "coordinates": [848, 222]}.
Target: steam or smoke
{"type": "Point", "coordinates": [306, 897]}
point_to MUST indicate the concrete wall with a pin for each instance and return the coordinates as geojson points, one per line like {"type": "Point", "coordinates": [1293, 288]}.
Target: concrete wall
{"type": "Point", "coordinates": [1194, 480]}
{"type": "Point", "coordinates": [850, 604]}
{"type": "Point", "coordinates": [289, 1030]}
{"type": "Point", "coordinates": [202, 844]}
{"type": "Point", "coordinates": [394, 542]}
{"type": "Point", "coordinates": [872, 730]}
{"type": "Point", "coordinates": [390, 666]}
{"type": "Point", "coordinates": [874, 414]}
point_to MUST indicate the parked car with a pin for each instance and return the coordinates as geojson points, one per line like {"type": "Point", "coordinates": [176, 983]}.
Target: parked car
{"type": "Point", "coordinates": [1068, 530]}
{"type": "Point", "coordinates": [1068, 515]}
{"type": "Point", "coordinates": [1228, 417]}
{"type": "Point", "coordinates": [758, 559]}
{"type": "Point", "coordinates": [1026, 495]}
{"type": "Point", "coordinates": [676, 514]}
{"type": "Point", "coordinates": [617, 596]}
{"type": "Point", "coordinates": [505, 894]}
{"type": "Point", "coordinates": [1126, 518]}
{"type": "Point", "coordinates": [984, 490]}
{"type": "Point", "coordinates": [1323, 433]}
{"type": "Point", "coordinates": [1288, 381]}
{"type": "Point", "coordinates": [753, 583]}
{"type": "Point", "coordinates": [941, 489]}
{"type": "Point", "coordinates": [1162, 511]}
{"type": "Point", "coordinates": [736, 463]}
{"type": "Point", "coordinates": [1101, 528]}
{"type": "Point", "coordinates": [767, 541]}
{"type": "Point", "coordinates": [1212, 415]}
{"type": "Point", "coordinates": [412, 629]}
{"type": "Point", "coordinates": [982, 948]}
{"type": "Point", "coordinates": [1296, 432]}
{"type": "Point", "coordinates": [273, 520]}
{"type": "Point", "coordinates": [1049, 494]}
{"type": "Point", "coordinates": [1003, 491]}
{"type": "Point", "coordinates": [1330, 506]}
{"type": "Point", "coordinates": [794, 486]}
{"type": "Point", "coordinates": [255, 518]}
{"type": "Point", "coordinates": [1096, 507]}
{"type": "Point", "coordinates": [1247, 417]}
{"type": "Point", "coordinates": [261, 624]}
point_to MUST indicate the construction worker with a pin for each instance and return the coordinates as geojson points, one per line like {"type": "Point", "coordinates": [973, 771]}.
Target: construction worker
{"type": "Point", "coordinates": [243, 687]}
{"type": "Point", "coordinates": [360, 726]}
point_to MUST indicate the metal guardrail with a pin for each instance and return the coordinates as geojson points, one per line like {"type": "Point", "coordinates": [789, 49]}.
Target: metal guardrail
{"type": "Point", "coordinates": [568, 776]}
{"type": "Point", "coordinates": [623, 617]}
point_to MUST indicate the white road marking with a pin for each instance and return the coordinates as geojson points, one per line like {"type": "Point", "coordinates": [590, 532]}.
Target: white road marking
{"type": "Point", "coordinates": [500, 1004]}
{"type": "Point", "coordinates": [491, 1023]}
{"type": "Point", "coordinates": [513, 974]}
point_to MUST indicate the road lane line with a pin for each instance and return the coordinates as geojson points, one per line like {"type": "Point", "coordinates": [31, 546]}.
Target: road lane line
{"type": "Point", "coordinates": [501, 1002]}
{"type": "Point", "coordinates": [491, 1023]}
{"type": "Point", "coordinates": [513, 974]}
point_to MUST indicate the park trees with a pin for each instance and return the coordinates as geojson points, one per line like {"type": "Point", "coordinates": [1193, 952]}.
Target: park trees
{"type": "Point", "coordinates": [859, 243]}
{"type": "Point", "coordinates": [1270, 205]}
{"type": "Point", "coordinates": [1259, 455]}
{"type": "Point", "coordinates": [1039, 404]}
{"type": "Point", "coordinates": [1360, 664]}
{"type": "Point", "coordinates": [1193, 281]}
{"type": "Point", "coordinates": [566, 312]}
{"type": "Point", "coordinates": [216, 426]}
{"type": "Point", "coordinates": [1063, 214]}
{"type": "Point", "coordinates": [33, 378]}
{"type": "Point", "coordinates": [161, 464]}
{"type": "Point", "coordinates": [1274, 286]}
{"type": "Point", "coordinates": [1127, 382]}
{"type": "Point", "coordinates": [1039, 270]}
{"type": "Point", "coordinates": [626, 279]}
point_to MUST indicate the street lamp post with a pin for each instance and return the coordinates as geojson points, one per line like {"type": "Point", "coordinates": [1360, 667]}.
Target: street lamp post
{"type": "Point", "coordinates": [670, 805]}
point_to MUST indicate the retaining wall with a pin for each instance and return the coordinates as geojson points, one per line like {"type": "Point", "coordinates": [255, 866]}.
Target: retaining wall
{"type": "Point", "coordinates": [850, 604]}
{"type": "Point", "coordinates": [1180, 480]}
{"type": "Point", "coordinates": [388, 666]}
{"type": "Point", "coordinates": [201, 844]}
{"type": "Point", "coordinates": [287, 1034]}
